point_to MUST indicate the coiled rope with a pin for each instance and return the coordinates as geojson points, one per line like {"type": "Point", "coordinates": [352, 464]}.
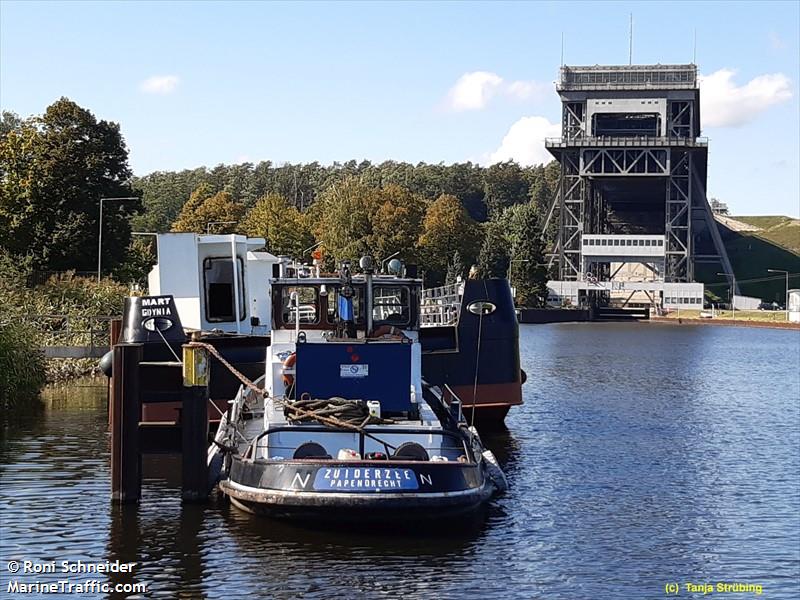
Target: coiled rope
{"type": "Point", "coordinates": [335, 412]}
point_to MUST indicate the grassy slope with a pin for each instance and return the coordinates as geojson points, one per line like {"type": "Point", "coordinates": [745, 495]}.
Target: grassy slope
{"type": "Point", "coordinates": [751, 256]}
{"type": "Point", "coordinates": [784, 231]}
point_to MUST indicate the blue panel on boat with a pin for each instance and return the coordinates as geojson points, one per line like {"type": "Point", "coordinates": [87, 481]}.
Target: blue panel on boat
{"type": "Point", "coordinates": [365, 479]}
{"type": "Point", "coordinates": [365, 371]}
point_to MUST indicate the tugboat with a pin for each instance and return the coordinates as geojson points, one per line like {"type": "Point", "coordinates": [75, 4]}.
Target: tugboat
{"type": "Point", "coordinates": [342, 425]}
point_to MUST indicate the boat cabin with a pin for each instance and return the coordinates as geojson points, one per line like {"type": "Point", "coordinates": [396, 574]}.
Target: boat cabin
{"type": "Point", "coordinates": [348, 336]}
{"type": "Point", "coordinates": [209, 275]}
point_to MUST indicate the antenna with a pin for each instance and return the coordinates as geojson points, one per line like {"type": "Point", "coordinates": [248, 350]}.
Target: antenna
{"type": "Point", "coordinates": [630, 43]}
{"type": "Point", "coordinates": [694, 48]}
{"type": "Point", "coordinates": [562, 48]}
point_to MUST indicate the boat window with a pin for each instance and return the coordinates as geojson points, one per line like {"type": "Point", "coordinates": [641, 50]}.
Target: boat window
{"type": "Point", "coordinates": [390, 304]}
{"type": "Point", "coordinates": [219, 292]}
{"type": "Point", "coordinates": [333, 306]}
{"type": "Point", "coordinates": [307, 304]}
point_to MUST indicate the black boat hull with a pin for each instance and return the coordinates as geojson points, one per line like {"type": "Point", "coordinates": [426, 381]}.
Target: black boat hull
{"type": "Point", "coordinates": [286, 489]}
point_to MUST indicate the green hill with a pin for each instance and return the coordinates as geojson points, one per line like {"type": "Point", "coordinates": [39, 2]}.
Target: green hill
{"type": "Point", "coordinates": [784, 231]}
{"type": "Point", "coordinates": [774, 246]}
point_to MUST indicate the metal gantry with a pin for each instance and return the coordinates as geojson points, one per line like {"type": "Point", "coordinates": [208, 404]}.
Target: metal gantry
{"type": "Point", "coordinates": [633, 162]}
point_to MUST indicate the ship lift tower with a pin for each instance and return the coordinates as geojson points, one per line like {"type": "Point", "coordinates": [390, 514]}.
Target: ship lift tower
{"type": "Point", "coordinates": [633, 218]}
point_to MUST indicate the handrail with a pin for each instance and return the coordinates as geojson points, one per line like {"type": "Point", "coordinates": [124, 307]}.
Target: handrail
{"type": "Point", "coordinates": [620, 141]}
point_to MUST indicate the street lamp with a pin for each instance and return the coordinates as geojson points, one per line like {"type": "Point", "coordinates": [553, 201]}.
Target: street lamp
{"type": "Point", "coordinates": [786, 297]}
{"type": "Point", "coordinates": [733, 287]}
{"type": "Point", "coordinates": [100, 236]}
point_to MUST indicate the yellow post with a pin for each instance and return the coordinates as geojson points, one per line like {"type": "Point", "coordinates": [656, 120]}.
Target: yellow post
{"type": "Point", "coordinates": [195, 366]}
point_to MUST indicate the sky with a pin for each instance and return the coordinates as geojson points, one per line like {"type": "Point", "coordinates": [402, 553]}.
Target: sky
{"type": "Point", "coordinates": [204, 83]}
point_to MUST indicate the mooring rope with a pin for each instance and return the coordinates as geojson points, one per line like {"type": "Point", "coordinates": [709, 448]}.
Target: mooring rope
{"type": "Point", "coordinates": [352, 415]}
{"type": "Point", "coordinates": [215, 353]}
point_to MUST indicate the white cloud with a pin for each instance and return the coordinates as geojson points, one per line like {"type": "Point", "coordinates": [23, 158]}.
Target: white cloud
{"type": "Point", "coordinates": [525, 90]}
{"type": "Point", "coordinates": [159, 84]}
{"type": "Point", "coordinates": [724, 104]}
{"type": "Point", "coordinates": [474, 90]}
{"type": "Point", "coordinates": [524, 142]}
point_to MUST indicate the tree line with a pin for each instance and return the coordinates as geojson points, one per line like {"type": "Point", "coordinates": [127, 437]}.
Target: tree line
{"type": "Point", "coordinates": [55, 168]}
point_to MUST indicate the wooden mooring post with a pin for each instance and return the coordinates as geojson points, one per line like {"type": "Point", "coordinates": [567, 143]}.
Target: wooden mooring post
{"type": "Point", "coordinates": [130, 437]}
{"type": "Point", "coordinates": [126, 410]}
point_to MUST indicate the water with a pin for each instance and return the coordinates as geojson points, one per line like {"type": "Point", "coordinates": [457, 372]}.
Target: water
{"type": "Point", "coordinates": [645, 455]}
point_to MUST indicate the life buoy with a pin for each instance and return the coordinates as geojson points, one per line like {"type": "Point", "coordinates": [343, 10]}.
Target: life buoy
{"type": "Point", "coordinates": [388, 332]}
{"type": "Point", "coordinates": [288, 378]}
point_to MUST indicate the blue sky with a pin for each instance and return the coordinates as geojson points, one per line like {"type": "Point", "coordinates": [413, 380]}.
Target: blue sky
{"type": "Point", "coordinates": [206, 83]}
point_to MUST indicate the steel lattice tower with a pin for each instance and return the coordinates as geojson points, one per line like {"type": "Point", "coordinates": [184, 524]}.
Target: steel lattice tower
{"type": "Point", "coordinates": [632, 163]}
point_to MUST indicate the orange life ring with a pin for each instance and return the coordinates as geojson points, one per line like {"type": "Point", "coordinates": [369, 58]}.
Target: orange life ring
{"type": "Point", "coordinates": [288, 378]}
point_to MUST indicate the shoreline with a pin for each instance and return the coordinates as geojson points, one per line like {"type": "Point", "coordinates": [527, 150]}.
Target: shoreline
{"type": "Point", "coordinates": [728, 322]}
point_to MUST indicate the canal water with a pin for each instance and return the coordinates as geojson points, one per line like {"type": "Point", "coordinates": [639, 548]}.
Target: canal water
{"type": "Point", "coordinates": [645, 455]}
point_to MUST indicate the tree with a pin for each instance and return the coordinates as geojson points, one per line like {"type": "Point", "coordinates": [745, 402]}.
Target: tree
{"type": "Point", "coordinates": [396, 224]}
{"type": "Point", "coordinates": [528, 275]}
{"type": "Point", "coordinates": [493, 259]}
{"type": "Point", "coordinates": [9, 122]}
{"type": "Point", "coordinates": [455, 269]}
{"type": "Point", "coordinates": [284, 227]}
{"type": "Point", "coordinates": [141, 257]}
{"type": "Point", "coordinates": [218, 213]}
{"type": "Point", "coordinates": [54, 170]}
{"type": "Point", "coordinates": [343, 217]}
{"type": "Point", "coordinates": [448, 228]}
{"type": "Point", "coordinates": [504, 185]}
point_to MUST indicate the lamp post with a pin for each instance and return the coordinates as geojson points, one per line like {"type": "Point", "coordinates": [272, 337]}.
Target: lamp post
{"type": "Point", "coordinates": [786, 296]}
{"type": "Point", "coordinates": [100, 236]}
{"type": "Point", "coordinates": [733, 287]}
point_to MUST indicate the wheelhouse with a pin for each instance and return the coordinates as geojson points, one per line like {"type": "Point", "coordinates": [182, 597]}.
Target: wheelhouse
{"type": "Point", "coordinates": [314, 302]}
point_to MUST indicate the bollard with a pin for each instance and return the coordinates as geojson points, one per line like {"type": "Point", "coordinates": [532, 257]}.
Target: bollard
{"type": "Point", "coordinates": [126, 410]}
{"type": "Point", "coordinates": [194, 425]}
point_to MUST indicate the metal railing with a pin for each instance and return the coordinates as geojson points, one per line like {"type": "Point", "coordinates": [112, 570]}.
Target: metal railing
{"type": "Point", "coordinates": [628, 77]}
{"type": "Point", "coordinates": [440, 306]}
{"type": "Point", "coordinates": [626, 142]}
{"type": "Point", "coordinates": [72, 330]}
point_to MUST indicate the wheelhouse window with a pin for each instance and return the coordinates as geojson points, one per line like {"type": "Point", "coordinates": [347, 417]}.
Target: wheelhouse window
{"type": "Point", "coordinates": [306, 309]}
{"type": "Point", "coordinates": [333, 305]}
{"type": "Point", "coordinates": [391, 304]}
{"type": "Point", "coordinates": [220, 296]}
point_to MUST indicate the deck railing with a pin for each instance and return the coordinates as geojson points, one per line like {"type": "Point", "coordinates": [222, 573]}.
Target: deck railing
{"type": "Point", "coordinates": [440, 306]}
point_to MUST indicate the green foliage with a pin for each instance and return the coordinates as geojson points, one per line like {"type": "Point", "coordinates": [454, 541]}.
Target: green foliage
{"type": "Point", "coordinates": [53, 171]}
{"type": "Point", "coordinates": [528, 275]}
{"type": "Point", "coordinates": [353, 218]}
{"type": "Point", "coordinates": [343, 218]}
{"type": "Point", "coordinates": [396, 224]}
{"type": "Point", "coordinates": [205, 213]}
{"type": "Point", "coordinates": [22, 367]}
{"type": "Point", "coordinates": [493, 259]}
{"type": "Point", "coordinates": [504, 186]}
{"type": "Point", "coordinates": [476, 187]}
{"type": "Point", "coordinates": [447, 228]}
{"type": "Point", "coordinates": [139, 260]}
{"type": "Point", "coordinates": [284, 228]}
